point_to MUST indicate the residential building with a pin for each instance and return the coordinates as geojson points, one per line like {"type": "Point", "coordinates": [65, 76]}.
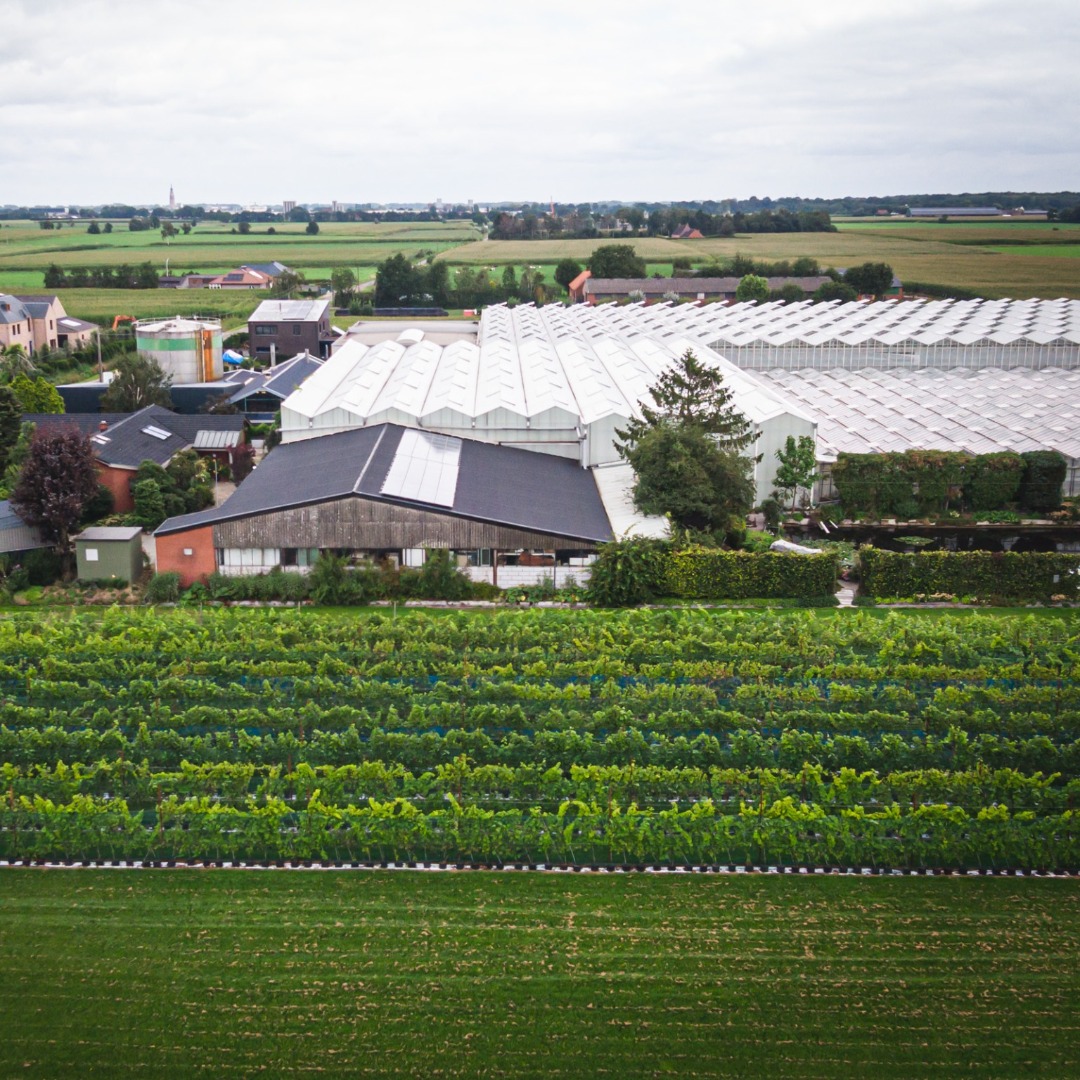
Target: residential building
{"type": "Point", "coordinates": [38, 323]}
{"type": "Point", "coordinates": [123, 441]}
{"type": "Point", "coordinates": [244, 278]}
{"type": "Point", "coordinates": [259, 394]}
{"type": "Point", "coordinates": [16, 323]}
{"type": "Point", "coordinates": [279, 329]}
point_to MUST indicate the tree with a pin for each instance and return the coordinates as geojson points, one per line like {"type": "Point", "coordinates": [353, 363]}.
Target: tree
{"type": "Point", "coordinates": [93, 229]}
{"type": "Point", "coordinates": [566, 271]}
{"type": "Point", "coordinates": [149, 501]}
{"type": "Point", "coordinates": [108, 227]}
{"type": "Point", "coordinates": [834, 290]}
{"type": "Point", "coordinates": [343, 282]}
{"type": "Point", "coordinates": [752, 287]}
{"type": "Point", "coordinates": [15, 361]}
{"type": "Point", "coordinates": [616, 261]}
{"type": "Point", "coordinates": [789, 293]}
{"type": "Point", "coordinates": [312, 228]}
{"type": "Point", "coordinates": [509, 283]}
{"type": "Point", "coordinates": [870, 279]}
{"type": "Point", "coordinates": [798, 460]}
{"type": "Point", "coordinates": [10, 425]}
{"type": "Point", "coordinates": [59, 477]}
{"type": "Point", "coordinates": [244, 228]}
{"type": "Point", "coordinates": [397, 282]}
{"type": "Point", "coordinates": [36, 395]}
{"type": "Point", "coordinates": [685, 449]}
{"type": "Point", "coordinates": [137, 381]}
{"type": "Point", "coordinates": [286, 283]}
{"type": "Point", "coordinates": [243, 461]}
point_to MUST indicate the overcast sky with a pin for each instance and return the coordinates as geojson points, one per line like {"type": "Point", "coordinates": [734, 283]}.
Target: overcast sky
{"type": "Point", "coordinates": [256, 102]}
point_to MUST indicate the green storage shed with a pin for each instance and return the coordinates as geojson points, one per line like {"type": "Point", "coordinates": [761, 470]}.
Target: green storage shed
{"type": "Point", "coordinates": [105, 552]}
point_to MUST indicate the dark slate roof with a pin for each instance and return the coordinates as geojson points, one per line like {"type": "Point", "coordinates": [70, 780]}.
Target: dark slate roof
{"type": "Point", "coordinates": [187, 398]}
{"type": "Point", "coordinates": [128, 444]}
{"type": "Point", "coordinates": [498, 484]}
{"type": "Point", "coordinates": [12, 309]}
{"type": "Point", "coordinates": [38, 308]}
{"type": "Point", "coordinates": [280, 381]}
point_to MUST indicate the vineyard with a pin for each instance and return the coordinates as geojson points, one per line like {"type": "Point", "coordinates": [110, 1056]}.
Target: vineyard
{"type": "Point", "coordinates": [645, 738]}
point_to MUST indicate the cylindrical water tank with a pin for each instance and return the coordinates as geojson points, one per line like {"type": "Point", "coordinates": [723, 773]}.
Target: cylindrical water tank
{"type": "Point", "coordinates": [187, 349]}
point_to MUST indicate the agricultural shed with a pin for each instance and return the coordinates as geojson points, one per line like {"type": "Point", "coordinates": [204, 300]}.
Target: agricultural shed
{"type": "Point", "coordinates": [15, 534]}
{"type": "Point", "coordinates": [387, 490]}
{"type": "Point", "coordinates": [104, 552]}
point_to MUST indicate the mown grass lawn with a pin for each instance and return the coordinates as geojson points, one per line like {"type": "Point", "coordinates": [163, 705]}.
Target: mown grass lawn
{"type": "Point", "coordinates": [229, 973]}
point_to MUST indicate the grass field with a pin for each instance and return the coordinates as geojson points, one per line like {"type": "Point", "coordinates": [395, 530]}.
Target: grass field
{"type": "Point", "coordinates": [228, 973]}
{"type": "Point", "coordinates": [25, 249]}
{"type": "Point", "coordinates": [964, 256]}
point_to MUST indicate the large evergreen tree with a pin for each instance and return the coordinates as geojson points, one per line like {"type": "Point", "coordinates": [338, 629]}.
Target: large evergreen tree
{"type": "Point", "coordinates": [685, 450]}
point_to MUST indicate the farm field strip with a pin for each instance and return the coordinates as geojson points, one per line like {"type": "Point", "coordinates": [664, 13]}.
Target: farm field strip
{"type": "Point", "coordinates": [597, 738]}
{"type": "Point", "coordinates": [504, 975]}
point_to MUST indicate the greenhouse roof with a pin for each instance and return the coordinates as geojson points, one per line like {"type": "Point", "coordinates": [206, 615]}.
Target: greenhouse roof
{"type": "Point", "coordinates": [868, 411]}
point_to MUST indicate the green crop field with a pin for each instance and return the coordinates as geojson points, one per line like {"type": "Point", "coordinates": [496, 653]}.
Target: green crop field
{"type": "Point", "coordinates": [679, 737]}
{"type": "Point", "coordinates": [26, 249]}
{"type": "Point", "coordinates": [966, 255]}
{"type": "Point", "coordinates": [232, 973]}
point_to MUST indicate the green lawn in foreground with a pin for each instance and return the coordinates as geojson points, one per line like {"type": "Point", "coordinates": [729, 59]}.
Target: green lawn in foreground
{"type": "Point", "coordinates": [225, 973]}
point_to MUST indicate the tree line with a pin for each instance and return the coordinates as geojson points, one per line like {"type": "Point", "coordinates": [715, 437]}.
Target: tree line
{"type": "Point", "coordinates": [143, 276]}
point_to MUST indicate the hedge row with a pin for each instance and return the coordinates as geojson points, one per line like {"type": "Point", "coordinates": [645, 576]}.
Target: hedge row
{"type": "Point", "coordinates": [925, 483]}
{"type": "Point", "coordinates": [712, 574]}
{"type": "Point", "coordinates": [1029, 575]}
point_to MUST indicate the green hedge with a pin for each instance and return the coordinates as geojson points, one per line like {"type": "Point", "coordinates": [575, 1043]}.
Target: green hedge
{"type": "Point", "coordinates": [713, 574]}
{"type": "Point", "coordinates": [1029, 575]}
{"type": "Point", "coordinates": [926, 483]}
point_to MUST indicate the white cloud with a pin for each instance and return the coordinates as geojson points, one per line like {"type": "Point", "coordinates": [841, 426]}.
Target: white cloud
{"type": "Point", "coordinates": [233, 101]}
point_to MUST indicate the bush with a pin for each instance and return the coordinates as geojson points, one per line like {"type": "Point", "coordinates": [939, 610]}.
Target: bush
{"type": "Point", "coordinates": [163, 589]}
{"type": "Point", "coordinates": [1010, 575]}
{"type": "Point", "coordinates": [991, 481]}
{"type": "Point", "coordinates": [627, 573]}
{"type": "Point", "coordinates": [771, 509]}
{"type": "Point", "coordinates": [441, 580]}
{"type": "Point", "coordinates": [43, 566]}
{"type": "Point", "coordinates": [1044, 473]}
{"type": "Point", "coordinates": [708, 574]}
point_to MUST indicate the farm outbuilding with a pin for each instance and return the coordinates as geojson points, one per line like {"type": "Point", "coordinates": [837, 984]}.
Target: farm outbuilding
{"type": "Point", "coordinates": [107, 552]}
{"type": "Point", "coordinates": [388, 491]}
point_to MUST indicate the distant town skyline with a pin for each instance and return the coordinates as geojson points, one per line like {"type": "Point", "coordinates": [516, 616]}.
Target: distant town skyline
{"type": "Point", "coordinates": [573, 102]}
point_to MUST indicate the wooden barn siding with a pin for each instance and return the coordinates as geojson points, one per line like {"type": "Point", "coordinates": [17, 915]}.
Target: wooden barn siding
{"type": "Point", "coordinates": [363, 524]}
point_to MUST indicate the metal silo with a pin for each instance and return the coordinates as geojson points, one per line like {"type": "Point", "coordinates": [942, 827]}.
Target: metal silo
{"type": "Point", "coordinates": [187, 349]}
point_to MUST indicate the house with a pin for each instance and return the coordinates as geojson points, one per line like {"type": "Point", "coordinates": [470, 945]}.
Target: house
{"type": "Point", "coordinates": [16, 323]}
{"type": "Point", "coordinates": [576, 288]}
{"type": "Point", "coordinates": [244, 278]}
{"type": "Point", "coordinates": [390, 491]}
{"type": "Point", "coordinates": [45, 313]}
{"type": "Point", "coordinates": [38, 323]}
{"type": "Point", "coordinates": [259, 394]}
{"type": "Point", "coordinates": [279, 329]}
{"type": "Point", "coordinates": [707, 290]}
{"type": "Point", "coordinates": [686, 233]}
{"type": "Point", "coordinates": [123, 441]}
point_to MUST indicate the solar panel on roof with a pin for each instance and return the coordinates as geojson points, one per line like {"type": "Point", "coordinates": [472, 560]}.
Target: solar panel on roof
{"type": "Point", "coordinates": [425, 468]}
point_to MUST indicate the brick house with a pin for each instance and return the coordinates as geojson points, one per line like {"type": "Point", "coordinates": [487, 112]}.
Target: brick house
{"type": "Point", "coordinates": [279, 329]}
